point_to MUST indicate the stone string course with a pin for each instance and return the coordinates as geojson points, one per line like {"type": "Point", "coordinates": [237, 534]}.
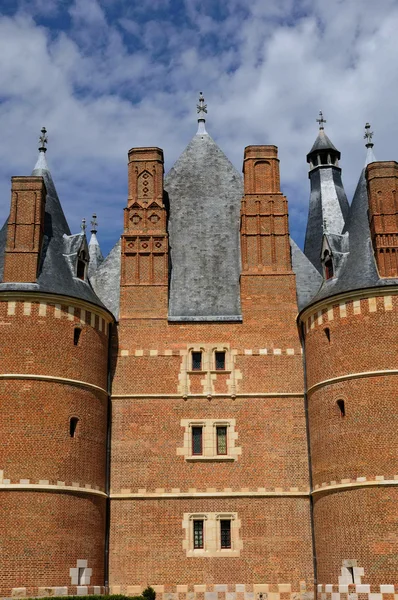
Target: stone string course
{"type": "Point", "coordinates": [239, 352]}
{"type": "Point", "coordinates": [80, 316]}
{"type": "Point", "coordinates": [43, 483]}
{"type": "Point", "coordinates": [350, 308]}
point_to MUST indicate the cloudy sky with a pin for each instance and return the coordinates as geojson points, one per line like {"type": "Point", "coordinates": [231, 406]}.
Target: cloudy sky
{"type": "Point", "coordinates": [106, 75]}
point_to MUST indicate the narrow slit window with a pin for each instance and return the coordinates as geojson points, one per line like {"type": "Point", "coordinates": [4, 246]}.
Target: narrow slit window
{"type": "Point", "coordinates": [196, 361]}
{"type": "Point", "coordinates": [327, 333]}
{"type": "Point", "coordinates": [76, 335]}
{"type": "Point", "coordinates": [197, 440]}
{"type": "Point", "coordinates": [220, 361]}
{"type": "Point", "coordinates": [222, 440]}
{"type": "Point", "coordinates": [198, 537]}
{"type": "Point", "coordinates": [225, 533]}
{"type": "Point", "coordinates": [80, 575]}
{"type": "Point", "coordinates": [73, 426]}
{"type": "Point", "coordinates": [340, 404]}
{"type": "Point", "coordinates": [328, 265]}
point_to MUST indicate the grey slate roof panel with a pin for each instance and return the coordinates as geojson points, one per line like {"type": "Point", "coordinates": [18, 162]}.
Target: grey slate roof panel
{"type": "Point", "coordinates": [321, 144]}
{"type": "Point", "coordinates": [328, 202]}
{"type": "Point", "coordinates": [359, 270]}
{"type": "Point", "coordinates": [308, 280]}
{"type": "Point", "coordinates": [55, 276]}
{"type": "Point", "coordinates": [106, 280]}
{"type": "Point", "coordinates": [205, 192]}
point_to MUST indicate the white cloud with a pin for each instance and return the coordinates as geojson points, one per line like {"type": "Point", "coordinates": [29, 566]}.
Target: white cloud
{"type": "Point", "coordinates": [122, 76]}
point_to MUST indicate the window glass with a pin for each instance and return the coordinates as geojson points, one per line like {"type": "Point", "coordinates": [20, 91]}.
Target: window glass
{"type": "Point", "coordinates": [221, 440]}
{"type": "Point", "coordinates": [198, 534]}
{"type": "Point", "coordinates": [225, 526]}
{"type": "Point", "coordinates": [197, 435]}
{"type": "Point", "coordinates": [196, 361]}
{"type": "Point", "coordinates": [220, 361]}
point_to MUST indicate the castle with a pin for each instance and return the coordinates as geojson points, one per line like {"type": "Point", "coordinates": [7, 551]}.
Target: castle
{"type": "Point", "coordinates": [208, 410]}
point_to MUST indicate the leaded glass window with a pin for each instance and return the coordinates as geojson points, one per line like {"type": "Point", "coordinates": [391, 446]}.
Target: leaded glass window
{"type": "Point", "coordinates": [220, 361]}
{"type": "Point", "coordinates": [197, 439]}
{"type": "Point", "coordinates": [198, 534]}
{"type": "Point", "coordinates": [196, 361]}
{"type": "Point", "coordinates": [225, 531]}
{"type": "Point", "coordinates": [221, 440]}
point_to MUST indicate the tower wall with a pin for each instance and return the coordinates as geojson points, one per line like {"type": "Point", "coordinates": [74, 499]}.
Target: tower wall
{"type": "Point", "coordinates": [351, 358]}
{"type": "Point", "coordinates": [159, 487]}
{"type": "Point", "coordinates": [52, 484]}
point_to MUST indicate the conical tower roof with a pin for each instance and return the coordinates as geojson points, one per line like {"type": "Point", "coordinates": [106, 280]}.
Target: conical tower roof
{"type": "Point", "coordinates": [205, 192]}
{"type": "Point", "coordinates": [55, 275]}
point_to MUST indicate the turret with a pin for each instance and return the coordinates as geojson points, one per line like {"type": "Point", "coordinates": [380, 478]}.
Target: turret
{"type": "Point", "coordinates": [349, 332]}
{"type": "Point", "coordinates": [328, 207]}
{"type": "Point", "coordinates": [54, 400]}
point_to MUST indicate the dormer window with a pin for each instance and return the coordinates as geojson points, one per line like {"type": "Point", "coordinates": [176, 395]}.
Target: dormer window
{"type": "Point", "coordinates": [328, 265]}
{"type": "Point", "coordinates": [81, 265]}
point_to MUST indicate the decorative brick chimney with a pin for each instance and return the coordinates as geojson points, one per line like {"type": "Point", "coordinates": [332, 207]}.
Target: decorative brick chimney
{"type": "Point", "coordinates": [144, 241]}
{"type": "Point", "coordinates": [382, 182]}
{"type": "Point", "coordinates": [264, 214]}
{"type": "Point", "coordinates": [25, 229]}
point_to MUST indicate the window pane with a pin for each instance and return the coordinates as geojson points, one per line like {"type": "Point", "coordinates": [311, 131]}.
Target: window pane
{"type": "Point", "coordinates": [221, 440]}
{"type": "Point", "coordinates": [197, 440]}
{"type": "Point", "coordinates": [225, 533]}
{"type": "Point", "coordinates": [220, 361]}
{"type": "Point", "coordinates": [198, 534]}
{"type": "Point", "coordinates": [196, 361]}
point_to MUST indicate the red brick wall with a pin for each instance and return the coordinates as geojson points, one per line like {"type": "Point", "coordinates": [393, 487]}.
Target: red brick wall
{"type": "Point", "coordinates": [354, 455]}
{"type": "Point", "coordinates": [276, 543]}
{"type": "Point", "coordinates": [42, 533]}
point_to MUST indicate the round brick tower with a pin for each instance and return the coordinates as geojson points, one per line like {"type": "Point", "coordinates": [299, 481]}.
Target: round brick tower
{"type": "Point", "coordinates": [350, 334]}
{"type": "Point", "coordinates": [54, 401]}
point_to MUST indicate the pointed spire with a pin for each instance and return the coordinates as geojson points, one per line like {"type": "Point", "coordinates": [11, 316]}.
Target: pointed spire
{"type": "Point", "coordinates": [41, 161]}
{"type": "Point", "coordinates": [201, 110]}
{"type": "Point", "coordinates": [94, 249]}
{"type": "Point", "coordinates": [370, 157]}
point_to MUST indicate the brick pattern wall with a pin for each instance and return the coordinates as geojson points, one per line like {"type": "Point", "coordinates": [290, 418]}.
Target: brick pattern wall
{"type": "Point", "coordinates": [351, 357]}
{"type": "Point", "coordinates": [51, 484]}
{"type": "Point", "coordinates": [155, 389]}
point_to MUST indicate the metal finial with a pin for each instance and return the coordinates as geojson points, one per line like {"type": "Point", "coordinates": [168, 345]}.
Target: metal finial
{"type": "Point", "coordinates": [43, 140]}
{"type": "Point", "coordinates": [201, 107]}
{"type": "Point", "coordinates": [324, 226]}
{"type": "Point", "coordinates": [94, 224]}
{"type": "Point", "coordinates": [321, 120]}
{"type": "Point", "coordinates": [83, 225]}
{"type": "Point", "coordinates": [368, 136]}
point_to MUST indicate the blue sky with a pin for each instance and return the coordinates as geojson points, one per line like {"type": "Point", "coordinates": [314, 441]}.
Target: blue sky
{"type": "Point", "coordinates": [107, 75]}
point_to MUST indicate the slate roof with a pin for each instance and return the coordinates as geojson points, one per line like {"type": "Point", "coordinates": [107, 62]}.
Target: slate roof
{"type": "Point", "coordinates": [55, 274]}
{"type": "Point", "coordinates": [359, 269]}
{"type": "Point", "coordinates": [205, 192]}
{"type": "Point", "coordinates": [321, 144]}
{"type": "Point", "coordinates": [95, 254]}
{"type": "Point", "coordinates": [308, 280]}
{"type": "Point", "coordinates": [106, 280]}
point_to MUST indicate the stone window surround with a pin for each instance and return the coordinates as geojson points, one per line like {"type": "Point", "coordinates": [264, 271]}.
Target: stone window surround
{"type": "Point", "coordinates": [85, 575]}
{"type": "Point", "coordinates": [209, 359]}
{"type": "Point", "coordinates": [211, 535]}
{"type": "Point", "coordinates": [209, 440]}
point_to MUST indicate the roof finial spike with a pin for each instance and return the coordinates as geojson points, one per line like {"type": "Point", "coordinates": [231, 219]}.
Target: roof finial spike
{"type": "Point", "coordinates": [94, 224]}
{"type": "Point", "coordinates": [324, 226]}
{"type": "Point", "coordinates": [43, 140]}
{"type": "Point", "coordinates": [321, 121]}
{"type": "Point", "coordinates": [83, 225]}
{"type": "Point", "coordinates": [368, 136]}
{"type": "Point", "coordinates": [202, 111]}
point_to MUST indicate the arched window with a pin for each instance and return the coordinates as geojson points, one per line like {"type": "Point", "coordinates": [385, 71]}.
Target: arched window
{"type": "Point", "coordinates": [73, 421]}
{"type": "Point", "coordinates": [328, 265]}
{"type": "Point", "coordinates": [341, 405]}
